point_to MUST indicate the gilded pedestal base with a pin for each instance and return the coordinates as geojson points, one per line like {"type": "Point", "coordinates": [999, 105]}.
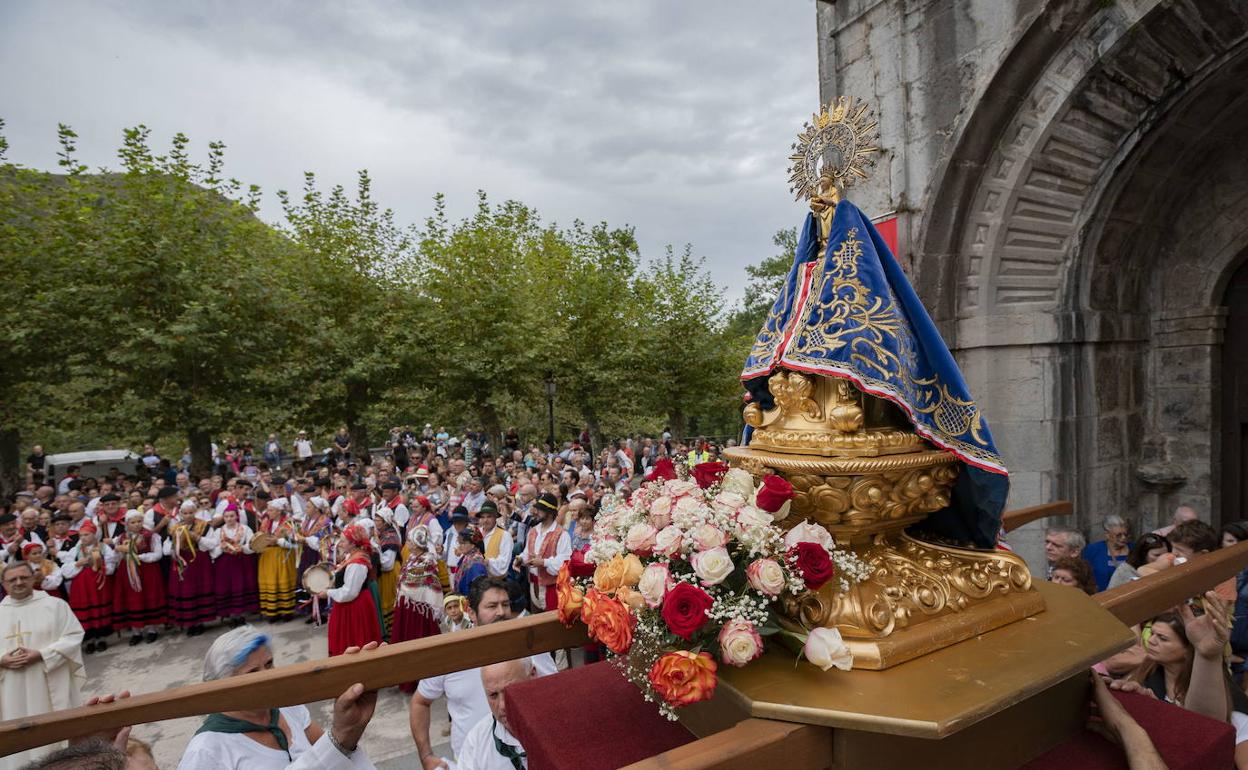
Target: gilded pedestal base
{"type": "Point", "coordinates": [995, 700]}
{"type": "Point", "coordinates": [920, 597]}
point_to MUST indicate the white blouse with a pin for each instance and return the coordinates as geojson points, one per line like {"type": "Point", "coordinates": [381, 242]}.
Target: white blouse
{"type": "Point", "coordinates": [235, 751]}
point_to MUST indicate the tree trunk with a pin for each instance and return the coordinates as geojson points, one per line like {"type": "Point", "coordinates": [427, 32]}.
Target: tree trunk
{"type": "Point", "coordinates": [200, 442]}
{"type": "Point", "coordinates": [596, 439]}
{"type": "Point", "coordinates": [676, 421]}
{"type": "Point", "coordinates": [12, 470]}
{"type": "Point", "coordinates": [357, 401]}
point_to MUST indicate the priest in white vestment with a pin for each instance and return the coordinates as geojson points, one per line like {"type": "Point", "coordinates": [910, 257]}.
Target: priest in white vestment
{"type": "Point", "coordinates": [41, 668]}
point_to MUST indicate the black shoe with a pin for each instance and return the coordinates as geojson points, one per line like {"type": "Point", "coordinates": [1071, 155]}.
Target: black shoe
{"type": "Point", "coordinates": [309, 621]}
{"type": "Point", "coordinates": [136, 639]}
{"type": "Point", "coordinates": [194, 630]}
{"type": "Point", "coordinates": [151, 636]}
{"type": "Point", "coordinates": [101, 646]}
{"type": "Point", "coordinates": [89, 647]}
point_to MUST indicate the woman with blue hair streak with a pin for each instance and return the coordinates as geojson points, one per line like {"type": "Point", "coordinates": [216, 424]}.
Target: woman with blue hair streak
{"type": "Point", "coordinates": [287, 738]}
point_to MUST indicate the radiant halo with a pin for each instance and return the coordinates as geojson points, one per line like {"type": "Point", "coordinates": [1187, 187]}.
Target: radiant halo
{"type": "Point", "coordinates": [840, 143]}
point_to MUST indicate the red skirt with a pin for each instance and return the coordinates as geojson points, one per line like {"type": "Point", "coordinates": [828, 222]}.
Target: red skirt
{"type": "Point", "coordinates": [136, 609]}
{"type": "Point", "coordinates": [353, 623]}
{"type": "Point", "coordinates": [92, 600]}
{"type": "Point", "coordinates": [412, 620]}
{"type": "Point", "coordinates": [192, 598]}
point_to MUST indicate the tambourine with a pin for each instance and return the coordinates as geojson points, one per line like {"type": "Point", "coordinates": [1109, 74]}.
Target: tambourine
{"type": "Point", "coordinates": [318, 578]}
{"type": "Point", "coordinates": [261, 542]}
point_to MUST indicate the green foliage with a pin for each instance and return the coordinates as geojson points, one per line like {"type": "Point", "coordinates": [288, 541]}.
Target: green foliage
{"type": "Point", "coordinates": [764, 285]}
{"type": "Point", "coordinates": [151, 303]}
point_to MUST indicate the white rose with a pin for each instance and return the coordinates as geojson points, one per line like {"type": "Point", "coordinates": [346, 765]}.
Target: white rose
{"type": "Point", "coordinates": [688, 505]}
{"type": "Point", "coordinates": [706, 536]}
{"type": "Point", "coordinates": [808, 533]}
{"type": "Point", "coordinates": [676, 487]}
{"type": "Point", "coordinates": [655, 582]}
{"type": "Point", "coordinates": [825, 648]}
{"type": "Point", "coordinates": [667, 542]}
{"type": "Point", "coordinates": [739, 482]}
{"type": "Point", "coordinates": [739, 642]}
{"type": "Point", "coordinates": [765, 576]}
{"type": "Point", "coordinates": [712, 567]}
{"type": "Point", "coordinates": [750, 517]}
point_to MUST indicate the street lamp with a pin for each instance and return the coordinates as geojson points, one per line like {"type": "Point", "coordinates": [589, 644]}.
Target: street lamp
{"type": "Point", "coordinates": [550, 406]}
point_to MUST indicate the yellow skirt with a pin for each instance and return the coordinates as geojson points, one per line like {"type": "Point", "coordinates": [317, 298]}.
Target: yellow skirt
{"type": "Point", "coordinates": [388, 587]}
{"type": "Point", "coordinates": [276, 579]}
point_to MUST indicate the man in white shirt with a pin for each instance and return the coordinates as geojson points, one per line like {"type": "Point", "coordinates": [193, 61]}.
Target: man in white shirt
{"type": "Point", "coordinates": [498, 543]}
{"type": "Point", "coordinates": [490, 745]}
{"type": "Point", "coordinates": [466, 701]}
{"type": "Point", "coordinates": [303, 447]}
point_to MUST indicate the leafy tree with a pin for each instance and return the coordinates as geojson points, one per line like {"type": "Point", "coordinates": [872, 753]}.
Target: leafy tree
{"type": "Point", "coordinates": [195, 340]}
{"type": "Point", "coordinates": [363, 295]}
{"type": "Point", "coordinates": [765, 280]}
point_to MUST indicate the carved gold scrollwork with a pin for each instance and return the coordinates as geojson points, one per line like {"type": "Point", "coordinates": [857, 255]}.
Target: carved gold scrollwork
{"type": "Point", "coordinates": [910, 581]}
{"type": "Point", "coordinates": [793, 393]}
{"type": "Point", "coordinates": [870, 498]}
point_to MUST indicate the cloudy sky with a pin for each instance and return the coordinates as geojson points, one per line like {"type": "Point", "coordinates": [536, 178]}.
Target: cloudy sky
{"type": "Point", "coordinates": [674, 116]}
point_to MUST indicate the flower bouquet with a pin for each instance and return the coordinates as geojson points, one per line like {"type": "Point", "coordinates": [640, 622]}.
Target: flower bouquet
{"type": "Point", "coordinates": [687, 577]}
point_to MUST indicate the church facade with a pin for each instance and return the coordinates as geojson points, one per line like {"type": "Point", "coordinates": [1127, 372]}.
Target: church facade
{"type": "Point", "coordinates": [1071, 184]}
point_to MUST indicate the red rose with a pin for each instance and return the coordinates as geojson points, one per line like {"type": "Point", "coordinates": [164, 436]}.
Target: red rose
{"type": "Point", "coordinates": [685, 608]}
{"type": "Point", "coordinates": [664, 470]}
{"type": "Point", "coordinates": [775, 492]}
{"type": "Point", "coordinates": [814, 564]}
{"type": "Point", "coordinates": [707, 474]}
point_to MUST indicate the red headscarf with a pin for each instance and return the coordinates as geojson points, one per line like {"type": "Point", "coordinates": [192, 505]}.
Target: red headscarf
{"type": "Point", "coordinates": [358, 537]}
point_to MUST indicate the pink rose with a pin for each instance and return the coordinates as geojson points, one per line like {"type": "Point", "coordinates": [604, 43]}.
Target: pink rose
{"type": "Point", "coordinates": [766, 576]}
{"type": "Point", "coordinates": [667, 542]}
{"type": "Point", "coordinates": [706, 536]}
{"type": "Point", "coordinates": [661, 512]}
{"type": "Point", "coordinates": [655, 582]}
{"type": "Point", "coordinates": [739, 642]}
{"type": "Point", "coordinates": [640, 538]}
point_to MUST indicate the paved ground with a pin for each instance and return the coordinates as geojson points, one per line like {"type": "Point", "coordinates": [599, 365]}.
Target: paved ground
{"type": "Point", "coordinates": [175, 660]}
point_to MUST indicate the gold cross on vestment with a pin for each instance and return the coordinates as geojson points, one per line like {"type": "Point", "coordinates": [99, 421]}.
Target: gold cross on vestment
{"type": "Point", "coordinates": [19, 635]}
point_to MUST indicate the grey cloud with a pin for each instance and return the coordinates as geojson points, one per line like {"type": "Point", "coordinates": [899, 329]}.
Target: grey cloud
{"type": "Point", "coordinates": [664, 115]}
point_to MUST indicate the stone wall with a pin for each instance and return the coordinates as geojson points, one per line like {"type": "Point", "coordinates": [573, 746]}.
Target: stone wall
{"type": "Point", "coordinates": [1042, 157]}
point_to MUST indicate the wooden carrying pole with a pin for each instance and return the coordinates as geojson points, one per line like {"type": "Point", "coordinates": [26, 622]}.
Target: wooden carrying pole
{"type": "Point", "coordinates": [1139, 600]}
{"type": "Point", "coordinates": [303, 682]}
{"type": "Point", "coordinates": [1016, 518]}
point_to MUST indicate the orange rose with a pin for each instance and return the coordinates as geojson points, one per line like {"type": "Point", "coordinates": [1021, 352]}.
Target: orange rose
{"type": "Point", "coordinates": [569, 596]}
{"type": "Point", "coordinates": [681, 677]}
{"type": "Point", "coordinates": [631, 598]}
{"type": "Point", "coordinates": [620, 572]}
{"type": "Point", "coordinates": [609, 621]}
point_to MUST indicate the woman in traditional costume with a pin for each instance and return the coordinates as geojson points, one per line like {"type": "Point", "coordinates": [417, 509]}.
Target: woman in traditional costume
{"type": "Point", "coordinates": [192, 594]}
{"type": "Point", "coordinates": [234, 570]}
{"type": "Point", "coordinates": [47, 572]}
{"type": "Point", "coordinates": [418, 608]}
{"type": "Point", "coordinates": [389, 542]}
{"type": "Point", "coordinates": [89, 567]}
{"type": "Point", "coordinates": [139, 596]}
{"type": "Point", "coordinates": [314, 535]}
{"type": "Point", "coordinates": [278, 564]}
{"type": "Point", "coordinates": [353, 620]}
{"type": "Point", "coordinates": [471, 559]}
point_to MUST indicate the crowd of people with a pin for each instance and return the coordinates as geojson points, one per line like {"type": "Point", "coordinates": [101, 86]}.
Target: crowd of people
{"type": "Point", "coordinates": [1194, 656]}
{"type": "Point", "coordinates": [438, 534]}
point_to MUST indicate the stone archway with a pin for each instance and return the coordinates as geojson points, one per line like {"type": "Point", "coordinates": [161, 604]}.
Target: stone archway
{"type": "Point", "coordinates": [1070, 272]}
